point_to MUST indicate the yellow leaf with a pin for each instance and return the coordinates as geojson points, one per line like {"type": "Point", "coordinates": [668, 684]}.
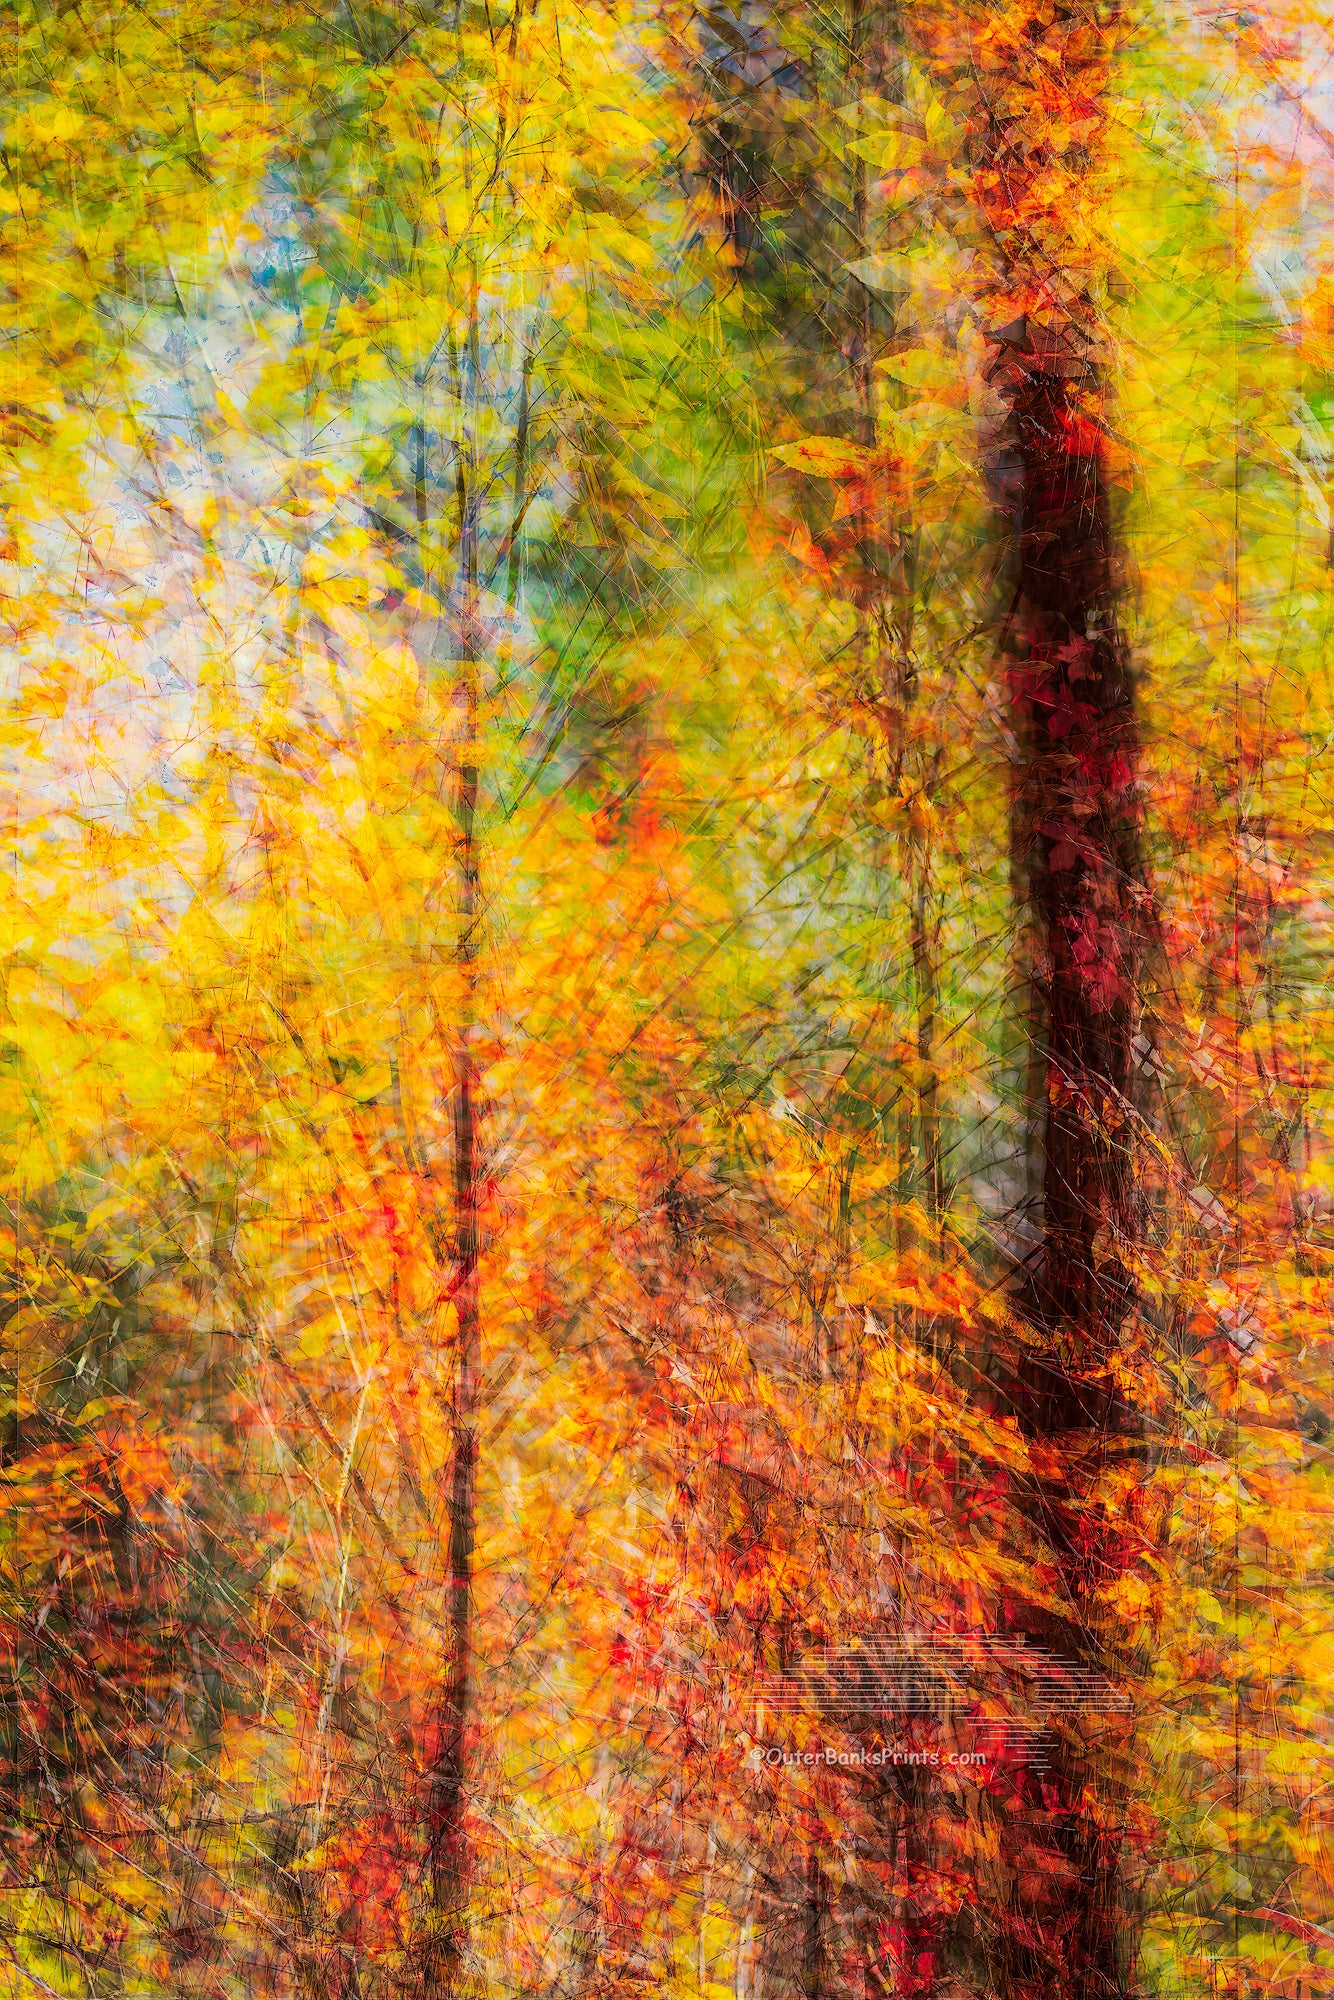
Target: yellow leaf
{"type": "Point", "coordinates": [825, 457]}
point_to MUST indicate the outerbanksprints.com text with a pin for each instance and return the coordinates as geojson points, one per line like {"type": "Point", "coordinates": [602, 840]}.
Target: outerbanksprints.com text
{"type": "Point", "coordinates": [775, 1753]}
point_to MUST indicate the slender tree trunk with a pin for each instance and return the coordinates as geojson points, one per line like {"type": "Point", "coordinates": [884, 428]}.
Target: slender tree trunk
{"type": "Point", "coordinates": [447, 1853]}
{"type": "Point", "coordinates": [814, 1947]}
{"type": "Point", "coordinates": [448, 1856]}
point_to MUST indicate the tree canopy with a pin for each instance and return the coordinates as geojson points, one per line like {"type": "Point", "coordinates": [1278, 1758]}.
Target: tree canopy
{"type": "Point", "coordinates": [667, 1197]}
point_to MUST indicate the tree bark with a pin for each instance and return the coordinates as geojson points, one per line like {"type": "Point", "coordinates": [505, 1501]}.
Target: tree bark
{"type": "Point", "coordinates": [1079, 880]}
{"type": "Point", "coordinates": [448, 1861]}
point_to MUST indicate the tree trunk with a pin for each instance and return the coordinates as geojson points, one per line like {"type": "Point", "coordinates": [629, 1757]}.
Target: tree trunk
{"type": "Point", "coordinates": [814, 1948]}
{"type": "Point", "coordinates": [447, 1855]}
{"type": "Point", "coordinates": [1079, 880]}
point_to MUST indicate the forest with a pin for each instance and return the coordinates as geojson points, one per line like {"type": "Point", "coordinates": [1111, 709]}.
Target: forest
{"type": "Point", "coordinates": [666, 1164]}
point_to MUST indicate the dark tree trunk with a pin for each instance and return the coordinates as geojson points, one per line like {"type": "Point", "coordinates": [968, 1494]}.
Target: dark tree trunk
{"type": "Point", "coordinates": [1077, 840]}
{"type": "Point", "coordinates": [816, 1917]}
{"type": "Point", "coordinates": [448, 1858]}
